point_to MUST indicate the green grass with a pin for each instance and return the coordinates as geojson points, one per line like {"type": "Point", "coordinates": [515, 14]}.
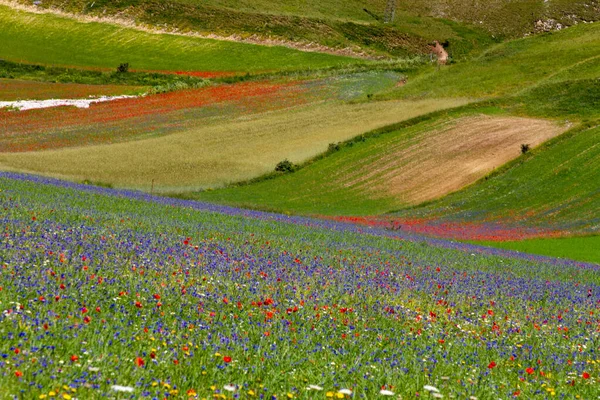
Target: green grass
{"type": "Point", "coordinates": [40, 73]}
{"type": "Point", "coordinates": [52, 40]}
{"type": "Point", "coordinates": [331, 23]}
{"type": "Point", "coordinates": [576, 248]}
{"type": "Point", "coordinates": [511, 67]}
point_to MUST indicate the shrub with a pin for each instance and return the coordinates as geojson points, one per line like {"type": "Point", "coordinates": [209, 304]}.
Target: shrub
{"type": "Point", "coordinates": [333, 147]}
{"type": "Point", "coordinates": [525, 148]}
{"type": "Point", "coordinates": [122, 68]}
{"type": "Point", "coordinates": [286, 166]}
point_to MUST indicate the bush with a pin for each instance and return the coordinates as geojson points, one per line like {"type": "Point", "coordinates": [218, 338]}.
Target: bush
{"type": "Point", "coordinates": [286, 166]}
{"type": "Point", "coordinates": [122, 68]}
{"type": "Point", "coordinates": [524, 148]}
{"type": "Point", "coordinates": [333, 147]}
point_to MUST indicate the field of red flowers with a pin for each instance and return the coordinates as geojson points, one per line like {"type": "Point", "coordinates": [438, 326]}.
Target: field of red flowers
{"type": "Point", "coordinates": [126, 118]}
{"type": "Point", "coordinates": [462, 230]}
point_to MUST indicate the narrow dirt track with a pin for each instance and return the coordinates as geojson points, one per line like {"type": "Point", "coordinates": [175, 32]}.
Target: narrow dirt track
{"type": "Point", "coordinates": [453, 155]}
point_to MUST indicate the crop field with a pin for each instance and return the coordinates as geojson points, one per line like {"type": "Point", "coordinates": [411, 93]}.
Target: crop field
{"type": "Point", "coordinates": [554, 188]}
{"type": "Point", "coordinates": [108, 293]}
{"type": "Point", "coordinates": [193, 155]}
{"type": "Point", "coordinates": [66, 42]}
{"type": "Point", "coordinates": [12, 90]}
{"type": "Point", "coordinates": [397, 168]}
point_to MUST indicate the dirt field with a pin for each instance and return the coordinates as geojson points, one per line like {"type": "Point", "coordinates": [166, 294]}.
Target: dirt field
{"type": "Point", "coordinates": [452, 156]}
{"type": "Point", "coordinates": [211, 155]}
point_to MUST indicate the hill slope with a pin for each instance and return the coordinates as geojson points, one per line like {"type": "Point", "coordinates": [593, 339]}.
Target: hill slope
{"type": "Point", "coordinates": [307, 30]}
{"type": "Point", "coordinates": [220, 299]}
{"type": "Point", "coordinates": [49, 39]}
{"type": "Point", "coordinates": [397, 167]}
{"type": "Point", "coordinates": [537, 81]}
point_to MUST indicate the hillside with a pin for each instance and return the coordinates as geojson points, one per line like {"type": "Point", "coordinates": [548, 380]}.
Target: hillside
{"type": "Point", "coordinates": [332, 25]}
{"type": "Point", "coordinates": [397, 166]}
{"type": "Point", "coordinates": [308, 29]}
{"type": "Point", "coordinates": [59, 41]}
{"type": "Point", "coordinates": [535, 79]}
{"type": "Point", "coordinates": [119, 290]}
{"type": "Point", "coordinates": [514, 66]}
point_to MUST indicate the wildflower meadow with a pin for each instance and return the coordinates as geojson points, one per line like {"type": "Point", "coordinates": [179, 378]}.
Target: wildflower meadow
{"type": "Point", "coordinates": [116, 294]}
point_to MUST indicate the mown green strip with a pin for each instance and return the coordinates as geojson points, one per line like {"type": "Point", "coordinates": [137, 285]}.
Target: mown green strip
{"type": "Point", "coordinates": [48, 39]}
{"type": "Point", "coordinates": [576, 248]}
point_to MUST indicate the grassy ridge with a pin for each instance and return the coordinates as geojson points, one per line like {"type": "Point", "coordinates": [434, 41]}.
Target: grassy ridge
{"type": "Point", "coordinates": [513, 66]}
{"type": "Point", "coordinates": [333, 24]}
{"type": "Point", "coordinates": [69, 43]}
{"type": "Point", "coordinates": [41, 73]}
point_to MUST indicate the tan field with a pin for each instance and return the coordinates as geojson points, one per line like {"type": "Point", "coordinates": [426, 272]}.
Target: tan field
{"type": "Point", "coordinates": [213, 155]}
{"type": "Point", "coordinates": [452, 155]}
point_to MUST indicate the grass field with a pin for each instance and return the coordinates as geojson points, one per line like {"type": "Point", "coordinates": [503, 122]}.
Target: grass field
{"type": "Point", "coordinates": [577, 248]}
{"type": "Point", "coordinates": [514, 66]}
{"type": "Point", "coordinates": [11, 90]}
{"type": "Point", "coordinates": [209, 154]}
{"type": "Point", "coordinates": [400, 167]}
{"type": "Point", "coordinates": [48, 39]}
{"type": "Point", "coordinates": [347, 27]}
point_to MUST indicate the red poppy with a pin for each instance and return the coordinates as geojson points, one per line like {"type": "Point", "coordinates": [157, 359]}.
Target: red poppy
{"type": "Point", "coordinates": [87, 319]}
{"type": "Point", "coordinates": [586, 375]}
{"type": "Point", "coordinates": [18, 374]}
{"type": "Point", "coordinates": [530, 370]}
{"type": "Point", "coordinates": [138, 304]}
{"type": "Point", "coordinates": [74, 358]}
{"type": "Point", "coordinates": [492, 365]}
{"type": "Point", "coordinates": [227, 359]}
{"type": "Point", "coordinates": [139, 361]}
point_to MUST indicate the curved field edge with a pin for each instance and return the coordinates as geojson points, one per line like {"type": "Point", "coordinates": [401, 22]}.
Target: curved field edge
{"type": "Point", "coordinates": [66, 42]}
{"type": "Point", "coordinates": [316, 188]}
{"type": "Point", "coordinates": [129, 263]}
{"type": "Point", "coordinates": [195, 156]}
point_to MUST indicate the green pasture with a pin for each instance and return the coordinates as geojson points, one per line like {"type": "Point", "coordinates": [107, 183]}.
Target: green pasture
{"type": "Point", "coordinates": [576, 248]}
{"type": "Point", "coordinates": [512, 67]}
{"type": "Point", "coordinates": [52, 40]}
